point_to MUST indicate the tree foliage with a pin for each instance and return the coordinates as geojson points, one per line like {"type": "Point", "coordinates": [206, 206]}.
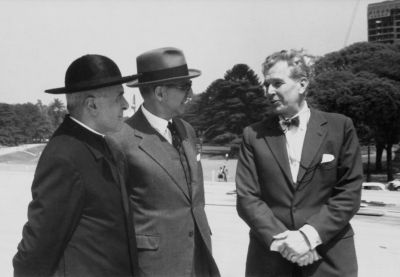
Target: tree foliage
{"type": "Point", "coordinates": [56, 112]}
{"type": "Point", "coordinates": [28, 123]}
{"type": "Point", "coordinates": [362, 81]}
{"type": "Point", "coordinates": [7, 125]}
{"type": "Point", "coordinates": [227, 106]}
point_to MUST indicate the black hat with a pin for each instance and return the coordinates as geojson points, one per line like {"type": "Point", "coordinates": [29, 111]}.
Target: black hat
{"type": "Point", "coordinates": [162, 65]}
{"type": "Point", "coordinates": [91, 72]}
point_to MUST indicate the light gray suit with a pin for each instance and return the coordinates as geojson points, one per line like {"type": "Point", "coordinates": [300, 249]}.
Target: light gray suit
{"type": "Point", "coordinates": [172, 232]}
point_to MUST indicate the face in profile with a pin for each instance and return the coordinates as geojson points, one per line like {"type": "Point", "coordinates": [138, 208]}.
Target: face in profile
{"type": "Point", "coordinates": [110, 105]}
{"type": "Point", "coordinates": [177, 96]}
{"type": "Point", "coordinates": [284, 92]}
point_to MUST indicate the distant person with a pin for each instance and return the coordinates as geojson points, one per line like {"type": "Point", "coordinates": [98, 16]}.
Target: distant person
{"type": "Point", "coordinates": [79, 223]}
{"type": "Point", "coordinates": [220, 174]}
{"type": "Point", "coordinates": [165, 178]}
{"type": "Point", "coordinates": [225, 173]}
{"type": "Point", "coordinates": [298, 180]}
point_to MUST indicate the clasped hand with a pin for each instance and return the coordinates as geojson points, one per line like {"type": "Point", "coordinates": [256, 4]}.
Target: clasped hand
{"type": "Point", "coordinates": [294, 247]}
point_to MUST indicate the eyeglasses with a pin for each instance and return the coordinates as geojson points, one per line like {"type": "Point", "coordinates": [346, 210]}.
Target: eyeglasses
{"type": "Point", "coordinates": [186, 86]}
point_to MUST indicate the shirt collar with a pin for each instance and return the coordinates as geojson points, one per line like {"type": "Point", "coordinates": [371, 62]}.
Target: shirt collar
{"type": "Point", "coordinates": [85, 126]}
{"type": "Point", "coordinates": [158, 123]}
{"type": "Point", "coordinates": [303, 114]}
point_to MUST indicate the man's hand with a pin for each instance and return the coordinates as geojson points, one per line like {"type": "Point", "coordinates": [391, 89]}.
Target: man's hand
{"type": "Point", "coordinates": [277, 245]}
{"type": "Point", "coordinates": [288, 242]}
{"type": "Point", "coordinates": [308, 258]}
{"type": "Point", "coordinates": [292, 244]}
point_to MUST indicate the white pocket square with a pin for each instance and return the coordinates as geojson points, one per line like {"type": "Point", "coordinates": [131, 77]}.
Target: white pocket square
{"type": "Point", "coordinates": [326, 158]}
{"type": "Point", "coordinates": [198, 157]}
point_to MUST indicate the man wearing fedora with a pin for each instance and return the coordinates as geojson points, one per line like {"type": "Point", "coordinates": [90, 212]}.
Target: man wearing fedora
{"type": "Point", "coordinates": [79, 221]}
{"type": "Point", "coordinates": [164, 174]}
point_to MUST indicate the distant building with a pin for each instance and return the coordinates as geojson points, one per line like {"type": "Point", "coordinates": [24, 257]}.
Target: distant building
{"type": "Point", "coordinates": [384, 21]}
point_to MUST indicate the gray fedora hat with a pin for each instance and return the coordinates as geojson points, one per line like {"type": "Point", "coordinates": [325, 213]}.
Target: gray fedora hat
{"type": "Point", "coordinates": [91, 72]}
{"type": "Point", "coordinates": [162, 65]}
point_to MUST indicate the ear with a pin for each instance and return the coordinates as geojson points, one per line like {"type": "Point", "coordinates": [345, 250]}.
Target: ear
{"type": "Point", "coordinates": [159, 93]}
{"type": "Point", "coordinates": [90, 104]}
{"type": "Point", "coordinates": [303, 85]}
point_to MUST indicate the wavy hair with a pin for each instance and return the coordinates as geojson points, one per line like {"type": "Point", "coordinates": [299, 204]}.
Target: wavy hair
{"type": "Point", "coordinates": [302, 64]}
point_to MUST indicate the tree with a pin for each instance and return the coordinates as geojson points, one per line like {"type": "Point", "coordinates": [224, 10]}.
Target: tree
{"type": "Point", "coordinates": [56, 112]}
{"type": "Point", "coordinates": [373, 102]}
{"type": "Point", "coordinates": [242, 73]}
{"type": "Point", "coordinates": [228, 105]}
{"type": "Point", "coordinates": [44, 126]}
{"type": "Point", "coordinates": [7, 127]}
{"type": "Point", "coordinates": [33, 125]}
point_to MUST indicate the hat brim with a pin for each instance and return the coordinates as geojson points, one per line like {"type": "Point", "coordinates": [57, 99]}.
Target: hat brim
{"type": "Point", "coordinates": [93, 85]}
{"type": "Point", "coordinates": [193, 73]}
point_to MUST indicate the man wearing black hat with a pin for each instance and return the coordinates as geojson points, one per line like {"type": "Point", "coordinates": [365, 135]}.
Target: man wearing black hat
{"type": "Point", "coordinates": [79, 223]}
{"type": "Point", "coordinates": [164, 174]}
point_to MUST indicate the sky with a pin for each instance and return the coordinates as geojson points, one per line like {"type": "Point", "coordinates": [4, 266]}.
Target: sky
{"type": "Point", "coordinates": [39, 39]}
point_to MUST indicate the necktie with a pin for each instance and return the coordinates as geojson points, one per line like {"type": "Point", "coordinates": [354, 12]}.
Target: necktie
{"type": "Point", "coordinates": [177, 143]}
{"type": "Point", "coordinates": [287, 123]}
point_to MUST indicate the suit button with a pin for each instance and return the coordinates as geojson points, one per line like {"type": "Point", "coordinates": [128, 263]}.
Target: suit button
{"type": "Point", "coordinates": [191, 233]}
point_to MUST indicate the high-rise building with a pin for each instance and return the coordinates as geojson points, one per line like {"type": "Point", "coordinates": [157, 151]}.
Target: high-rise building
{"type": "Point", "coordinates": [384, 21]}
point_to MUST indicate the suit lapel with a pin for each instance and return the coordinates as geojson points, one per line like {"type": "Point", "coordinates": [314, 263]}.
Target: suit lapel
{"type": "Point", "coordinates": [151, 144]}
{"type": "Point", "coordinates": [190, 152]}
{"type": "Point", "coordinates": [276, 142]}
{"type": "Point", "coordinates": [191, 159]}
{"type": "Point", "coordinates": [100, 158]}
{"type": "Point", "coordinates": [315, 134]}
{"type": "Point", "coordinates": [95, 144]}
{"type": "Point", "coordinates": [119, 168]}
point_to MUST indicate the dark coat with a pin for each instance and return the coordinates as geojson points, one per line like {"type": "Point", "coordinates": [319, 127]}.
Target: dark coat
{"type": "Point", "coordinates": [166, 212]}
{"type": "Point", "coordinates": [325, 196]}
{"type": "Point", "coordinates": [77, 221]}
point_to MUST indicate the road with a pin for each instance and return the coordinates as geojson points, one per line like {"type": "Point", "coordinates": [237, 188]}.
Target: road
{"type": "Point", "coordinates": [7, 150]}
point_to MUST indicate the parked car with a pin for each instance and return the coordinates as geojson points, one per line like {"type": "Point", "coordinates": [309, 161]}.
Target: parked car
{"type": "Point", "coordinates": [373, 186]}
{"type": "Point", "coordinates": [394, 185]}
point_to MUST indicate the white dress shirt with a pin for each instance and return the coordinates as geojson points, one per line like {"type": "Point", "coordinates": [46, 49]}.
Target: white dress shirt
{"type": "Point", "coordinates": [294, 146]}
{"type": "Point", "coordinates": [295, 140]}
{"type": "Point", "coordinates": [158, 123]}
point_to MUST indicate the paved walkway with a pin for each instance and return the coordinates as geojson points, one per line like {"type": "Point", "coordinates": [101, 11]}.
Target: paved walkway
{"type": "Point", "coordinates": [8, 150]}
{"type": "Point", "coordinates": [377, 238]}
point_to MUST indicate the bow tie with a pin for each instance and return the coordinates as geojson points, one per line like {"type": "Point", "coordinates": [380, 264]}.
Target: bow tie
{"type": "Point", "coordinates": [287, 123]}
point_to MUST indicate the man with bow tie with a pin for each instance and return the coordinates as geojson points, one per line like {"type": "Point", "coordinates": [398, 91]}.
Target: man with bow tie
{"type": "Point", "coordinates": [298, 180]}
{"type": "Point", "coordinates": [164, 173]}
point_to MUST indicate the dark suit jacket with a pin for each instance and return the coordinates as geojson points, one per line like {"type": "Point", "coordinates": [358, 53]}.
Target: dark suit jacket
{"type": "Point", "coordinates": [77, 220]}
{"type": "Point", "coordinates": [325, 196]}
{"type": "Point", "coordinates": [166, 212]}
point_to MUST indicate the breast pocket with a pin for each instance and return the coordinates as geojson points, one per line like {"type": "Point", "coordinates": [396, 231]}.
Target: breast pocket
{"type": "Point", "coordinates": [328, 165]}
{"type": "Point", "coordinates": [147, 242]}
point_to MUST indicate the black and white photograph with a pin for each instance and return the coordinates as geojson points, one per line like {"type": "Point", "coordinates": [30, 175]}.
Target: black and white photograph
{"type": "Point", "coordinates": [200, 138]}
